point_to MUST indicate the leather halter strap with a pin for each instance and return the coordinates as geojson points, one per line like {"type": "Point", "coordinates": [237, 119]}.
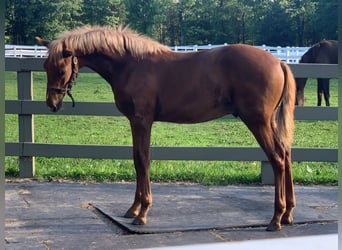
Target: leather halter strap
{"type": "Point", "coordinates": [70, 83]}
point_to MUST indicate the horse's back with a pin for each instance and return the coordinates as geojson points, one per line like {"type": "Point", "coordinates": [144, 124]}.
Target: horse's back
{"type": "Point", "coordinates": [326, 51]}
{"type": "Point", "coordinates": [329, 52]}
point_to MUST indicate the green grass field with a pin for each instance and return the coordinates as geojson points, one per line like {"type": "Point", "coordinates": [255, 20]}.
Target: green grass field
{"type": "Point", "coordinates": [116, 131]}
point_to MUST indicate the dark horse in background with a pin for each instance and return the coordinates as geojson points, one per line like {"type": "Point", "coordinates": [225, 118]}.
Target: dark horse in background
{"type": "Point", "coordinates": [151, 83]}
{"type": "Point", "coordinates": [325, 52]}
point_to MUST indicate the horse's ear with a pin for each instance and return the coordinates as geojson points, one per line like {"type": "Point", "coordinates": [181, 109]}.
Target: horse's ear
{"type": "Point", "coordinates": [42, 41]}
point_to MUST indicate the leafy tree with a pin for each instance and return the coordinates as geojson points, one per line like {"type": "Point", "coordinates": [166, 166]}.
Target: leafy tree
{"type": "Point", "coordinates": [325, 21]}
{"type": "Point", "coordinates": [65, 15]}
{"type": "Point", "coordinates": [103, 12]}
{"type": "Point", "coordinates": [141, 14]}
{"type": "Point", "coordinates": [158, 28]}
{"type": "Point", "coordinates": [19, 18]}
{"type": "Point", "coordinates": [180, 22]}
{"type": "Point", "coordinates": [275, 25]}
{"type": "Point", "coordinates": [237, 21]}
{"type": "Point", "coordinates": [45, 18]}
{"type": "Point", "coordinates": [172, 23]}
{"type": "Point", "coordinates": [186, 17]}
{"type": "Point", "coordinates": [301, 13]}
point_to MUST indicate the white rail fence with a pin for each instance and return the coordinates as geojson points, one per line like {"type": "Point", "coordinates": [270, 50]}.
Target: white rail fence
{"type": "Point", "coordinates": [287, 54]}
{"type": "Point", "coordinates": [25, 51]}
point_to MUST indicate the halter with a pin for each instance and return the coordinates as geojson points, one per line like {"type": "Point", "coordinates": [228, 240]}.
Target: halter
{"type": "Point", "coordinates": [70, 83]}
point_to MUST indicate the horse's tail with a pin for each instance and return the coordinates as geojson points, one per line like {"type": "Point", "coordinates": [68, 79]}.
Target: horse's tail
{"type": "Point", "coordinates": [285, 116]}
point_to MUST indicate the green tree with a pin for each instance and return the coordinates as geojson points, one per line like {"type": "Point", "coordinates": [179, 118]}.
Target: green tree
{"type": "Point", "coordinates": [45, 18]}
{"type": "Point", "coordinates": [186, 17]}
{"type": "Point", "coordinates": [19, 18]}
{"type": "Point", "coordinates": [216, 21]}
{"type": "Point", "coordinates": [64, 15]}
{"type": "Point", "coordinates": [237, 21]}
{"type": "Point", "coordinates": [103, 12]}
{"type": "Point", "coordinates": [275, 25]}
{"type": "Point", "coordinates": [180, 22]}
{"type": "Point", "coordinates": [301, 13]}
{"type": "Point", "coordinates": [141, 15]}
{"type": "Point", "coordinates": [172, 23]}
{"type": "Point", "coordinates": [158, 28]}
{"type": "Point", "coordinates": [325, 21]}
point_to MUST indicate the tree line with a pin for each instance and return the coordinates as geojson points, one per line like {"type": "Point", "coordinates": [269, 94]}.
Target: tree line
{"type": "Point", "coordinates": [180, 22]}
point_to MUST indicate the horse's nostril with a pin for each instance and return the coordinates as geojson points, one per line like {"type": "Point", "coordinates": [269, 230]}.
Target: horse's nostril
{"type": "Point", "coordinates": [53, 105]}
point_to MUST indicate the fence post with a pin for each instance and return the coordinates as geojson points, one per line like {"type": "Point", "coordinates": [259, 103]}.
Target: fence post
{"type": "Point", "coordinates": [267, 176]}
{"type": "Point", "coordinates": [26, 123]}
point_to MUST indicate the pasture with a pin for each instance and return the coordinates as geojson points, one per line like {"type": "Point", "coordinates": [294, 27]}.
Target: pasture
{"type": "Point", "coordinates": [116, 131]}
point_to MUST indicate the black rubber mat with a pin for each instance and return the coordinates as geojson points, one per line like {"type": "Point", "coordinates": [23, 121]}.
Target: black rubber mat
{"type": "Point", "coordinates": [218, 208]}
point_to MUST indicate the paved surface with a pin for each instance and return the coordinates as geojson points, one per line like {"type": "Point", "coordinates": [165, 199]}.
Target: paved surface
{"type": "Point", "coordinates": [52, 215]}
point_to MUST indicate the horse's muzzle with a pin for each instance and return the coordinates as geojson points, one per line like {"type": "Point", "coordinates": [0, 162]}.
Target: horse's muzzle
{"type": "Point", "coordinates": [53, 105]}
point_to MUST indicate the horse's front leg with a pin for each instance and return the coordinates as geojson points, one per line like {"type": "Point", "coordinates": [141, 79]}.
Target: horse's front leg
{"type": "Point", "coordinates": [141, 132]}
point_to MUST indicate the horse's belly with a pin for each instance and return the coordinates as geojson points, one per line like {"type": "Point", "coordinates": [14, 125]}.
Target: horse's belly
{"type": "Point", "coordinates": [193, 114]}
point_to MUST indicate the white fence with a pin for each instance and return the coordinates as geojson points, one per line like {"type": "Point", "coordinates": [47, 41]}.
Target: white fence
{"type": "Point", "coordinates": [25, 51]}
{"type": "Point", "coordinates": [287, 54]}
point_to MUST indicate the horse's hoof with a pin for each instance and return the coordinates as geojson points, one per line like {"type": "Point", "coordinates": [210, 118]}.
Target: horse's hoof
{"type": "Point", "coordinates": [139, 221]}
{"type": "Point", "coordinates": [287, 220]}
{"type": "Point", "coordinates": [130, 214]}
{"type": "Point", "coordinates": [272, 227]}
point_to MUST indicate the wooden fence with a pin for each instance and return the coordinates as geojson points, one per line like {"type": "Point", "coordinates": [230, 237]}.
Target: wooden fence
{"type": "Point", "coordinates": [26, 149]}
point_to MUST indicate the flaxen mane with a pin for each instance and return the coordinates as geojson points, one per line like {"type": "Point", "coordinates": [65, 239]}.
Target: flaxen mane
{"type": "Point", "coordinates": [119, 40]}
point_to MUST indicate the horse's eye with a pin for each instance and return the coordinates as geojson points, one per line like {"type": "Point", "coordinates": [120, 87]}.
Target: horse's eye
{"type": "Point", "coordinates": [61, 71]}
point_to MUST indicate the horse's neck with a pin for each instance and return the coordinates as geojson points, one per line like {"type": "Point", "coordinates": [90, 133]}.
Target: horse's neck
{"type": "Point", "coordinates": [104, 66]}
{"type": "Point", "coordinates": [111, 68]}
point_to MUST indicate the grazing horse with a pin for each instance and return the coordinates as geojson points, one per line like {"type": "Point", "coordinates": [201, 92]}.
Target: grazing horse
{"type": "Point", "coordinates": [325, 52]}
{"type": "Point", "coordinates": [151, 83]}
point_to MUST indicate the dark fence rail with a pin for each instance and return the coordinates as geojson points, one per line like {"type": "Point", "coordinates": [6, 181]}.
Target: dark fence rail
{"type": "Point", "coordinates": [25, 107]}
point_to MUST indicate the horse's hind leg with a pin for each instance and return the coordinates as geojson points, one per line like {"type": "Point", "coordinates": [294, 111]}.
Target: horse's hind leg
{"type": "Point", "coordinates": [319, 91]}
{"type": "Point", "coordinates": [290, 196]}
{"type": "Point", "coordinates": [275, 152]}
{"type": "Point", "coordinates": [326, 91]}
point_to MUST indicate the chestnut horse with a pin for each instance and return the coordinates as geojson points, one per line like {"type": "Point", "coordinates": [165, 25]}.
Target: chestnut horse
{"type": "Point", "coordinates": [151, 83]}
{"type": "Point", "coordinates": [325, 52]}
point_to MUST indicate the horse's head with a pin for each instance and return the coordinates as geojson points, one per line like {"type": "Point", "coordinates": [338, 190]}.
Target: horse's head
{"type": "Point", "coordinates": [61, 75]}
